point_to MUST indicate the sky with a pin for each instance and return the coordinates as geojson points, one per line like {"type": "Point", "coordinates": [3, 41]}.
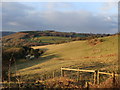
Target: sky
{"type": "Point", "coordinates": [82, 17]}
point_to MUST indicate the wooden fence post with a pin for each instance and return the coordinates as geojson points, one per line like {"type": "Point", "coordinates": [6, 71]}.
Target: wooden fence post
{"type": "Point", "coordinates": [70, 75]}
{"type": "Point", "coordinates": [53, 74]}
{"type": "Point", "coordinates": [78, 75]}
{"type": "Point", "coordinates": [97, 76]}
{"type": "Point", "coordinates": [61, 72]}
{"type": "Point", "coordinates": [87, 85]}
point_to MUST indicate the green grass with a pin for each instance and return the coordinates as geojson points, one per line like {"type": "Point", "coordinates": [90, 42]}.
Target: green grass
{"type": "Point", "coordinates": [77, 54]}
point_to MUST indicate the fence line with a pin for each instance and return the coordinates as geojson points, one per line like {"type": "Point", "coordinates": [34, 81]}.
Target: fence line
{"type": "Point", "coordinates": [77, 70]}
{"type": "Point", "coordinates": [108, 73]}
{"type": "Point", "coordinates": [96, 73]}
{"type": "Point", "coordinates": [68, 69]}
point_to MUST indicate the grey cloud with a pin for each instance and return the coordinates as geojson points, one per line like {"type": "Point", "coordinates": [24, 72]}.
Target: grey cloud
{"type": "Point", "coordinates": [17, 17]}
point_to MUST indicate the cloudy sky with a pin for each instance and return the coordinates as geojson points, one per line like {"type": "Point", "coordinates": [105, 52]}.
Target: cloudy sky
{"type": "Point", "coordinates": [85, 17]}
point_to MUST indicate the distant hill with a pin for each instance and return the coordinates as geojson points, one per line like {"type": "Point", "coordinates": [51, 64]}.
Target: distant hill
{"type": "Point", "coordinates": [38, 38]}
{"type": "Point", "coordinates": [5, 33]}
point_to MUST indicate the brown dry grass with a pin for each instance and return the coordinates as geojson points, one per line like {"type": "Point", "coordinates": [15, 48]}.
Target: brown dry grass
{"type": "Point", "coordinates": [61, 82]}
{"type": "Point", "coordinates": [108, 84]}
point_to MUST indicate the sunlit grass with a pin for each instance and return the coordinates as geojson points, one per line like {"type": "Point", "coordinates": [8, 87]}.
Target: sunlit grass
{"type": "Point", "coordinates": [77, 54]}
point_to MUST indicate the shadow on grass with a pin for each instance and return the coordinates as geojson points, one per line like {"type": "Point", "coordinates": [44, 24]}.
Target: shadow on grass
{"type": "Point", "coordinates": [96, 66]}
{"type": "Point", "coordinates": [30, 63]}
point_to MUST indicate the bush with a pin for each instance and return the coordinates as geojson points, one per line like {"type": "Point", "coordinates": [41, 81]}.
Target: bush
{"type": "Point", "coordinates": [11, 53]}
{"type": "Point", "coordinates": [19, 53]}
{"type": "Point", "coordinates": [95, 41]}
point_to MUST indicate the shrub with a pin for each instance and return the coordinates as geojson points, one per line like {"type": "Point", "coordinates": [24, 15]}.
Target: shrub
{"type": "Point", "coordinates": [10, 53]}
{"type": "Point", "coordinates": [95, 41]}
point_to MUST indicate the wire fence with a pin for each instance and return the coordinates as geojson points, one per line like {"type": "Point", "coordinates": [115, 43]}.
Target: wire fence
{"type": "Point", "coordinates": [81, 76]}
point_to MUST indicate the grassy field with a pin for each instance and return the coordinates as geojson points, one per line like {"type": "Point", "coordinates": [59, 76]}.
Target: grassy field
{"type": "Point", "coordinates": [76, 54]}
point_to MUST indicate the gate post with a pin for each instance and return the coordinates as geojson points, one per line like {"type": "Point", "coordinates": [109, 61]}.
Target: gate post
{"type": "Point", "coordinates": [78, 75]}
{"type": "Point", "coordinates": [113, 79]}
{"type": "Point", "coordinates": [61, 72]}
{"type": "Point", "coordinates": [96, 77]}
